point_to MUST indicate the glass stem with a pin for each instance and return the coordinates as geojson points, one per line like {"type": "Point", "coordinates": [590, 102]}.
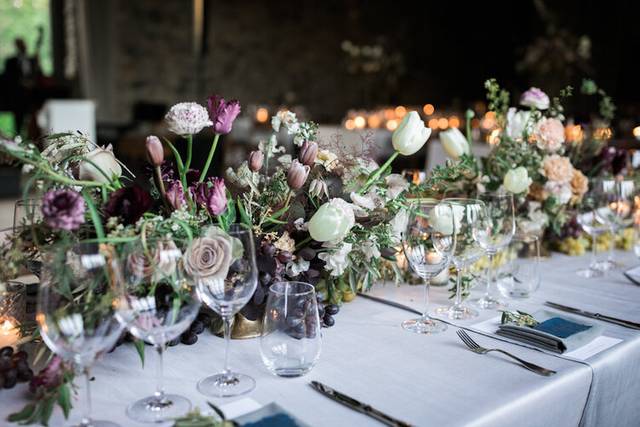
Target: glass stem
{"type": "Point", "coordinates": [159, 393]}
{"type": "Point", "coordinates": [458, 300]}
{"type": "Point", "coordinates": [227, 341]}
{"type": "Point", "coordinates": [594, 251]}
{"type": "Point", "coordinates": [612, 245]}
{"type": "Point", "coordinates": [425, 311]}
{"type": "Point", "coordinates": [86, 416]}
{"type": "Point", "coordinates": [490, 272]}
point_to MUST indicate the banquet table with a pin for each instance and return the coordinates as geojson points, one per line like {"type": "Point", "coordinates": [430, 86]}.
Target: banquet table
{"type": "Point", "coordinates": [423, 380]}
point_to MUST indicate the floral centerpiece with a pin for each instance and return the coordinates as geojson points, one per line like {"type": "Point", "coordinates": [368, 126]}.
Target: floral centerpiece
{"type": "Point", "coordinates": [324, 213]}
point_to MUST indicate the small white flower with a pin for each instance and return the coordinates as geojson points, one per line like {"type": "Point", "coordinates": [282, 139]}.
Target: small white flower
{"type": "Point", "coordinates": [370, 249]}
{"type": "Point", "coordinates": [337, 261]}
{"type": "Point", "coordinates": [299, 266]}
{"type": "Point", "coordinates": [560, 190]}
{"type": "Point", "coordinates": [396, 185]}
{"type": "Point", "coordinates": [399, 225]}
{"type": "Point", "coordinates": [327, 159]}
{"type": "Point", "coordinates": [300, 225]}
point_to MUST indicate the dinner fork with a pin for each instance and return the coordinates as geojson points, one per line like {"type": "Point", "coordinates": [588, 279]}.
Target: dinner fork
{"type": "Point", "coordinates": [476, 348]}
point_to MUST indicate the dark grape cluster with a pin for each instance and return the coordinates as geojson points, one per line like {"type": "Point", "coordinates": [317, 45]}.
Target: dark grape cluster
{"type": "Point", "coordinates": [14, 368]}
{"type": "Point", "coordinates": [327, 312]}
{"type": "Point", "coordinates": [190, 336]}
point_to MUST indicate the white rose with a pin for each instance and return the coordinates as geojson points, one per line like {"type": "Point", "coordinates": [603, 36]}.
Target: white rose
{"type": "Point", "coordinates": [332, 221]}
{"type": "Point", "coordinates": [517, 123]}
{"type": "Point", "coordinates": [517, 180]}
{"type": "Point", "coordinates": [100, 165]}
{"type": "Point", "coordinates": [454, 143]}
{"type": "Point", "coordinates": [410, 135]}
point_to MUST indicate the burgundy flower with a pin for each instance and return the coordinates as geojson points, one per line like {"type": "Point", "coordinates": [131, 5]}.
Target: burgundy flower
{"type": "Point", "coordinates": [63, 209]}
{"type": "Point", "coordinates": [212, 194]}
{"type": "Point", "coordinates": [128, 203]}
{"type": "Point", "coordinates": [49, 377]}
{"type": "Point", "coordinates": [222, 113]}
{"type": "Point", "coordinates": [175, 194]}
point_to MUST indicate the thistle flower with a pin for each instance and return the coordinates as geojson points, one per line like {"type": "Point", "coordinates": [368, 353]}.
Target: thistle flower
{"type": "Point", "coordinates": [222, 113]}
{"type": "Point", "coordinates": [187, 118]}
{"type": "Point", "coordinates": [63, 209]}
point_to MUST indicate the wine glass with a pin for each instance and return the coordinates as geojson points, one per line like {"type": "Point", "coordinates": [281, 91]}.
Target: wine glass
{"type": "Point", "coordinates": [594, 216]}
{"type": "Point", "coordinates": [230, 279]}
{"type": "Point", "coordinates": [427, 244]}
{"type": "Point", "coordinates": [157, 302]}
{"type": "Point", "coordinates": [497, 224]}
{"type": "Point", "coordinates": [291, 339]}
{"type": "Point", "coordinates": [619, 194]}
{"type": "Point", "coordinates": [467, 250]}
{"type": "Point", "coordinates": [75, 308]}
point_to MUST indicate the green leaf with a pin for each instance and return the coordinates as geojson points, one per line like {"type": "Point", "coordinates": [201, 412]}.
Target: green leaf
{"type": "Point", "coordinates": [47, 410]}
{"type": "Point", "coordinates": [244, 216]}
{"type": "Point", "coordinates": [140, 349]}
{"type": "Point", "coordinates": [24, 414]}
{"type": "Point", "coordinates": [64, 399]}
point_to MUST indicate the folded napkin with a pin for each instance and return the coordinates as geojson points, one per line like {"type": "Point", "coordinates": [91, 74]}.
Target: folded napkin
{"type": "Point", "coordinates": [271, 415]}
{"type": "Point", "coordinates": [553, 332]}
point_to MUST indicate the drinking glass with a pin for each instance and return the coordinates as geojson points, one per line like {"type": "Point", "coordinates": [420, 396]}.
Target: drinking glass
{"type": "Point", "coordinates": [226, 293]}
{"type": "Point", "coordinates": [620, 196]}
{"type": "Point", "coordinates": [497, 224]}
{"type": "Point", "coordinates": [75, 308]}
{"type": "Point", "coordinates": [519, 273]}
{"type": "Point", "coordinates": [291, 340]}
{"type": "Point", "coordinates": [157, 302]}
{"type": "Point", "coordinates": [467, 250]}
{"type": "Point", "coordinates": [427, 244]}
{"type": "Point", "coordinates": [594, 216]}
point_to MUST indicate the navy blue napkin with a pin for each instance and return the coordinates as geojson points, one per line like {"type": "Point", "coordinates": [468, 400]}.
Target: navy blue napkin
{"type": "Point", "coordinates": [278, 420]}
{"type": "Point", "coordinates": [561, 328]}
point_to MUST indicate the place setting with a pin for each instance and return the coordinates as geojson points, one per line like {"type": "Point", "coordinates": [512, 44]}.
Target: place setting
{"type": "Point", "coordinates": [220, 215]}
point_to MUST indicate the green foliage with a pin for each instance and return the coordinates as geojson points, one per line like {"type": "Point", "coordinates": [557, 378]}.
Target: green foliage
{"type": "Point", "coordinates": [449, 177]}
{"type": "Point", "coordinates": [519, 318]}
{"type": "Point", "coordinates": [498, 100]}
{"type": "Point", "coordinates": [40, 411]}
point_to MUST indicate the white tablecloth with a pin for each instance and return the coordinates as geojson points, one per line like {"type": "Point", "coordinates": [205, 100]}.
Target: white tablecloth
{"type": "Point", "coordinates": [424, 380]}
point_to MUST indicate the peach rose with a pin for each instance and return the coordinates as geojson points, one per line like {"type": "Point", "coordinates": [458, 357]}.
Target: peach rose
{"type": "Point", "coordinates": [579, 183]}
{"type": "Point", "coordinates": [549, 134]}
{"type": "Point", "coordinates": [557, 168]}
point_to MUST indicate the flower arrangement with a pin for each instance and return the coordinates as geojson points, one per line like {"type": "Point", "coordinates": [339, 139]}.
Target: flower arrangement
{"type": "Point", "coordinates": [323, 213]}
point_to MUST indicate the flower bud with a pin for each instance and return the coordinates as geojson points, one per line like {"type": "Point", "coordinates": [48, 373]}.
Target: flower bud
{"type": "Point", "coordinates": [517, 180]}
{"type": "Point", "coordinates": [155, 152]}
{"type": "Point", "coordinates": [308, 153]}
{"type": "Point", "coordinates": [256, 158]}
{"type": "Point", "coordinates": [297, 175]}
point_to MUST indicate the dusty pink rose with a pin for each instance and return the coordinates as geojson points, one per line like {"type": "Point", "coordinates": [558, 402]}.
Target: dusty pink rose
{"type": "Point", "coordinates": [549, 134]}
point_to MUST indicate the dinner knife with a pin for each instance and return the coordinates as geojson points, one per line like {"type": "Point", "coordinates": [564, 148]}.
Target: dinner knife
{"type": "Point", "coordinates": [390, 303]}
{"type": "Point", "coordinates": [620, 322]}
{"type": "Point", "coordinates": [356, 405]}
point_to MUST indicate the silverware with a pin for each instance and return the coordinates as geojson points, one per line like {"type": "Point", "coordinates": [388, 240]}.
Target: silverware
{"type": "Point", "coordinates": [358, 406]}
{"type": "Point", "coordinates": [598, 316]}
{"type": "Point", "coordinates": [476, 348]}
{"type": "Point", "coordinates": [390, 303]}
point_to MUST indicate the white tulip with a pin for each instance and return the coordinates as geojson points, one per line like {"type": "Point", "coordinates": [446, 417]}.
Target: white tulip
{"type": "Point", "coordinates": [517, 180]}
{"type": "Point", "coordinates": [410, 135]}
{"type": "Point", "coordinates": [518, 122]}
{"type": "Point", "coordinates": [454, 143]}
{"type": "Point", "coordinates": [100, 165]}
{"type": "Point", "coordinates": [441, 221]}
{"type": "Point", "coordinates": [332, 221]}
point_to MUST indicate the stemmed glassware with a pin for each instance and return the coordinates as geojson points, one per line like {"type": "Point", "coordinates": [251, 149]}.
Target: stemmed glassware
{"type": "Point", "coordinates": [619, 194]}
{"type": "Point", "coordinates": [467, 250]}
{"type": "Point", "coordinates": [594, 216]}
{"type": "Point", "coordinates": [157, 302]}
{"type": "Point", "coordinates": [229, 284]}
{"type": "Point", "coordinates": [428, 244]}
{"type": "Point", "coordinates": [497, 224]}
{"type": "Point", "coordinates": [75, 308]}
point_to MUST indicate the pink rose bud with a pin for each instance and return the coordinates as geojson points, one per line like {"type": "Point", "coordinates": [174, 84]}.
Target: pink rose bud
{"type": "Point", "coordinates": [308, 153]}
{"type": "Point", "coordinates": [155, 152]}
{"type": "Point", "coordinates": [255, 160]}
{"type": "Point", "coordinates": [297, 175]}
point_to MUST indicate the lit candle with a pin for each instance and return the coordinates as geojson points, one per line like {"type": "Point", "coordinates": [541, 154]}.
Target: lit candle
{"type": "Point", "coordinates": [9, 333]}
{"type": "Point", "coordinates": [434, 258]}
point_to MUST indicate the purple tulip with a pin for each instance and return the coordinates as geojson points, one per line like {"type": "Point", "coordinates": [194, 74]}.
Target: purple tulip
{"type": "Point", "coordinates": [63, 209]}
{"type": "Point", "coordinates": [256, 158]}
{"type": "Point", "coordinates": [308, 153]}
{"type": "Point", "coordinates": [175, 194]}
{"type": "Point", "coordinates": [222, 113]}
{"type": "Point", "coordinates": [155, 152]}
{"type": "Point", "coordinates": [212, 194]}
{"type": "Point", "coordinates": [128, 203]}
{"type": "Point", "coordinates": [297, 175]}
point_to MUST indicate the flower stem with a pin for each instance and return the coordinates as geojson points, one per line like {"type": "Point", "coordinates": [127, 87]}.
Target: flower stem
{"type": "Point", "coordinates": [214, 144]}
{"type": "Point", "coordinates": [376, 174]}
{"type": "Point", "coordinates": [187, 164]}
{"type": "Point", "coordinates": [93, 212]}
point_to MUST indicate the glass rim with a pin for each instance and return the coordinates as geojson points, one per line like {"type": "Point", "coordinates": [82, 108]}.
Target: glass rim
{"type": "Point", "coordinates": [309, 286]}
{"type": "Point", "coordinates": [463, 201]}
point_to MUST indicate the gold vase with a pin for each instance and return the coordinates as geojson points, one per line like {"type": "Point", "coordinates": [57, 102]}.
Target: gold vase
{"type": "Point", "coordinates": [241, 328]}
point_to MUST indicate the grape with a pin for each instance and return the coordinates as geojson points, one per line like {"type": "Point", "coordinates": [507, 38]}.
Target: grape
{"type": "Point", "coordinates": [174, 342]}
{"type": "Point", "coordinates": [268, 250]}
{"type": "Point", "coordinates": [329, 321]}
{"type": "Point", "coordinates": [197, 327]}
{"type": "Point", "coordinates": [25, 375]}
{"type": "Point", "coordinates": [285, 257]}
{"type": "Point", "coordinates": [6, 352]}
{"type": "Point", "coordinates": [205, 318]}
{"type": "Point", "coordinates": [10, 378]}
{"type": "Point", "coordinates": [188, 338]}
{"type": "Point", "coordinates": [5, 364]}
{"type": "Point", "coordinates": [320, 310]}
{"type": "Point", "coordinates": [265, 278]}
{"type": "Point", "coordinates": [332, 309]}
{"type": "Point", "coordinates": [307, 254]}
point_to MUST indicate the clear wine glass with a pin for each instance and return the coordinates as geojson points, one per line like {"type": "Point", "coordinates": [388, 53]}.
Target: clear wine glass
{"type": "Point", "coordinates": [229, 282]}
{"type": "Point", "coordinates": [467, 250]}
{"type": "Point", "coordinates": [594, 216]}
{"type": "Point", "coordinates": [620, 196]}
{"type": "Point", "coordinates": [519, 275]}
{"type": "Point", "coordinates": [497, 224]}
{"type": "Point", "coordinates": [291, 339]}
{"type": "Point", "coordinates": [427, 244]}
{"type": "Point", "coordinates": [157, 302]}
{"type": "Point", "coordinates": [75, 308]}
